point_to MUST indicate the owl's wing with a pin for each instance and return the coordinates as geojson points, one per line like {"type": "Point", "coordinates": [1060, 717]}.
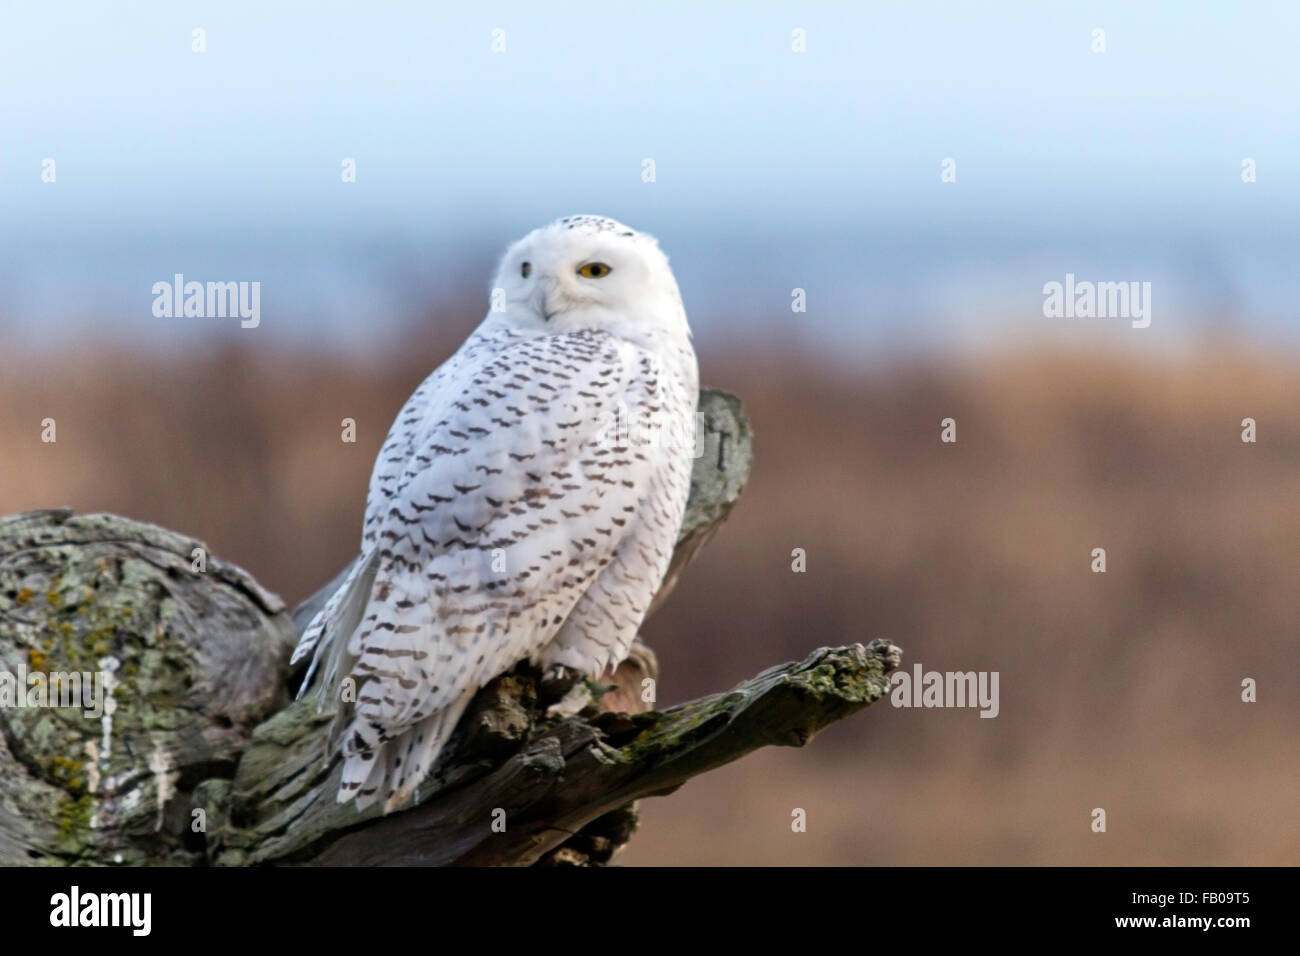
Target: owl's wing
{"type": "Point", "coordinates": [517, 494]}
{"type": "Point", "coordinates": [395, 458]}
{"type": "Point", "coordinates": [334, 620]}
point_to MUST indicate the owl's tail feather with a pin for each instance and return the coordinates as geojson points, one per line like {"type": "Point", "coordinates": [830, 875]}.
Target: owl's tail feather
{"type": "Point", "coordinates": [364, 773]}
{"type": "Point", "coordinates": [421, 746]}
{"type": "Point", "coordinates": [375, 766]}
{"type": "Point", "coordinates": [328, 632]}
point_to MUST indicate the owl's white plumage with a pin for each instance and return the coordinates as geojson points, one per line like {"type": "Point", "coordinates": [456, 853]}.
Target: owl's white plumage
{"type": "Point", "coordinates": [512, 453]}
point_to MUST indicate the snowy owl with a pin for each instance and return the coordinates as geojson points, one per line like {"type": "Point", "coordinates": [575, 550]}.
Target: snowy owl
{"type": "Point", "coordinates": [525, 504]}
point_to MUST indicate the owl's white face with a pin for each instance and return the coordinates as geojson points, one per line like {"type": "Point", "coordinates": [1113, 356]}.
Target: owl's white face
{"type": "Point", "coordinates": [588, 271]}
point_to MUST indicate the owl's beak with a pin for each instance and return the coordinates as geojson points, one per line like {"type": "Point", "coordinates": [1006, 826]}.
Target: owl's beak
{"type": "Point", "coordinates": [544, 298]}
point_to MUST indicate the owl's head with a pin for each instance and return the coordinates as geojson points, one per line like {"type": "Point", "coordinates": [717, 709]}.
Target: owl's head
{"type": "Point", "coordinates": [589, 271]}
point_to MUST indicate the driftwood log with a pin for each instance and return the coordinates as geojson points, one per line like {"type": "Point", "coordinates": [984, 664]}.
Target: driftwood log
{"type": "Point", "coordinates": [195, 753]}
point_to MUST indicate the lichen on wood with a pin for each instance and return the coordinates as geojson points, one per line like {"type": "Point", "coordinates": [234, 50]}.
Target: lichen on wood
{"type": "Point", "coordinates": [188, 663]}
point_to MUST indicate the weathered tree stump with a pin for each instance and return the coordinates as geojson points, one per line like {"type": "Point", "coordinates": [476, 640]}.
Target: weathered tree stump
{"type": "Point", "coordinates": [198, 756]}
{"type": "Point", "coordinates": [197, 661]}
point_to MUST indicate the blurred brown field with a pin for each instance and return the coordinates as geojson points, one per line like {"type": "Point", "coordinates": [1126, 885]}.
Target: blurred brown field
{"type": "Point", "coordinates": [1119, 690]}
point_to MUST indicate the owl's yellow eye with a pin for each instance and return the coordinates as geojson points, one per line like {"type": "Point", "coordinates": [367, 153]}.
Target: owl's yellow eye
{"type": "Point", "coordinates": [594, 270]}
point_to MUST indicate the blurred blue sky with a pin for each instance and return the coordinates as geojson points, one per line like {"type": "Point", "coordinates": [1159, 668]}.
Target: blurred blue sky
{"type": "Point", "coordinates": [774, 169]}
